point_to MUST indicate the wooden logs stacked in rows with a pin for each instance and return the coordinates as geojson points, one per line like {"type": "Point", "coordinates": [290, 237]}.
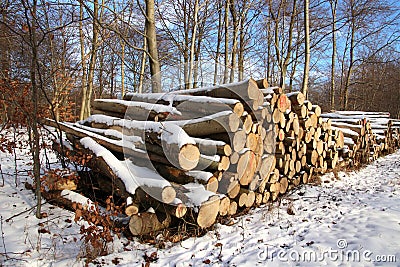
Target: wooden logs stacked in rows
{"type": "Point", "coordinates": [368, 135]}
{"type": "Point", "coordinates": [194, 155]}
{"type": "Point", "coordinates": [173, 153]}
{"type": "Point", "coordinates": [305, 142]}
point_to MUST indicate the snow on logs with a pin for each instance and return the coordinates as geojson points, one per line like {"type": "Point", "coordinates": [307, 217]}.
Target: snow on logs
{"type": "Point", "coordinates": [367, 134]}
{"type": "Point", "coordinates": [193, 155]}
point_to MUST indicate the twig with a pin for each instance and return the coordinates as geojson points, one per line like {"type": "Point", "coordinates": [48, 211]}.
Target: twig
{"type": "Point", "coordinates": [15, 157]}
{"type": "Point", "coordinates": [2, 237]}
{"type": "Point", "coordinates": [22, 212]}
{"type": "Point", "coordinates": [2, 176]}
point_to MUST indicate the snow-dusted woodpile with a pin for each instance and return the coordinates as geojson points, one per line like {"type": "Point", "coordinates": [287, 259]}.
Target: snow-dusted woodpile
{"type": "Point", "coordinates": [368, 135]}
{"type": "Point", "coordinates": [194, 155]}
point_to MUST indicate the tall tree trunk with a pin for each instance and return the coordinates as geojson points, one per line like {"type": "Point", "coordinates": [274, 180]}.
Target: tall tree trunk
{"type": "Point", "coordinates": [5, 40]}
{"type": "Point", "coordinates": [333, 4]}
{"type": "Point", "coordinates": [242, 41]}
{"type": "Point", "coordinates": [54, 70]}
{"type": "Point", "coordinates": [5, 63]}
{"type": "Point", "coordinates": [193, 41]}
{"type": "Point", "coordinates": [269, 57]}
{"type": "Point", "coordinates": [219, 40]}
{"type": "Point", "coordinates": [100, 74]}
{"type": "Point", "coordinates": [143, 64]}
{"type": "Point", "coordinates": [304, 88]}
{"type": "Point", "coordinates": [226, 21]}
{"type": "Point", "coordinates": [35, 99]}
{"type": "Point", "coordinates": [283, 61]}
{"type": "Point", "coordinates": [151, 35]}
{"type": "Point", "coordinates": [92, 61]}
{"type": "Point", "coordinates": [186, 58]}
{"type": "Point", "coordinates": [351, 63]}
{"type": "Point", "coordinates": [197, 55]}
{"type": "Point", "coordinates": [83, 62]}
{"type": "Point", "coordinates": [122, 69]}
{"type": "Point", "coordinates": [235, 22]}
{"type": "Point", "coordinates": [294, 65]}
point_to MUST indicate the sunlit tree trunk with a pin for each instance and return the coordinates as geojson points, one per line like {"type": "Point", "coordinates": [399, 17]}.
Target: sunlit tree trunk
{"type": "Point", "coordinates": [351, 59]}
{"type": "Point", "coordinates": [142, 65]}
{"type": "Point", "coordinates": [151, 35]}
{"type": "Point", "coordinates": [219, 40]}
{"type": "Point", "coordinates": [333, 4]}
{"type": "Point", "coordinates": [307, 48]}
{"type": "Point", "coordinates": [226, 61]}
{"type": "Point", "coordinates": [122, 69]}
{"type": "Point", "coordinates": [83, 62]}
{"type": "Point", "coordinates": [235, 22]}
{"type": "Point", "coordinates": [193, 42]}
{"type": "Point", "coordinates": [35, 141]}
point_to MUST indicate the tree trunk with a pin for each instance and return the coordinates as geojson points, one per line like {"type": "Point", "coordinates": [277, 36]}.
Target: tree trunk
{"type": "Point", "coordinates": [307, 48]}
{"type": "Point", "coordinates": [122, 69]}
{"type": "Point", "coordinates": [219, 40]}
{"type": "Point", "coordinates": [333, 60]}
{"type": "Point", "coordinates": [143, 64]}
{"type": "Point", "coordinates": [235, 22]}
{"type": "Point", "coordinates": [151, 35]}
{"type": "Point", "coordinates": [242, 42]}
{"type": "Point", "coordinates": [5, 41]}
{"type": "Point", "coordinates": [226, 61]}
{"type": "Point", "coordinates": [83, 62]}
{"type": "Point", "coordinates": [351, 63]}
{"type": "Point", "coordinates": [192, 43]}
{"type": "Point", "coordinates": [35, 146]}
{"type": "Point", "coordinates": [269, 44]}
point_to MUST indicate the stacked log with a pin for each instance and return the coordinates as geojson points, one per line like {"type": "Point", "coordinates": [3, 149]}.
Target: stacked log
{"type": "Point", "coordinates": [368, 135]}
{"type": "Point", "coordinates": [305, 142]}
{"type": "Point", "coordinates": [194, 155]}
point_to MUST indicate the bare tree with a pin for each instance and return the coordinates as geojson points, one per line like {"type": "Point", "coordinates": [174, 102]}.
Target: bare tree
{"type": "Point", "coordinates": [31, 22]}
{"type": "Point", "coordinates": [304, 88]}
{"type": "Point", "coordinates": [193, 41]}
{"type": "Point", "coordinates": [219, 41]}
{"type": "Point", "coordinates": [333, 5]}
{"type": "Point", "coordinates": [283, 52]}
{"type": "Point", "coordinates": [226, 40]}
{"type": "Point", "coordinates": [151, 36]}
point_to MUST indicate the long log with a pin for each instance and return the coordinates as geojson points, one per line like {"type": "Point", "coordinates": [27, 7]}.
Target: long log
{"type": "Point", "coordinates": [212, 147]}
{"type": "Point", "coordinates": [243, 91]}
{"type": "Point", "coordinates": [176, 208]}
{"type": "Point", "coordinates": [196, 105]}
{"type": "Point", "coordinates": [187, 156]}
{"type": "Point", "coordinates": [207, 179]}
{"type": "Point", "coordinates": [137, 110]}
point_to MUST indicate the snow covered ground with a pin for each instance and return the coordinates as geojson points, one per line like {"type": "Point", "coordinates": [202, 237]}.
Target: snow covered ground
{"type": "Point", "coordinates": [352, 219]}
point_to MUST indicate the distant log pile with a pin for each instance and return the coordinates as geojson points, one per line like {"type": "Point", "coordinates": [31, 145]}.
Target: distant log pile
{"type": "Point", "coordinates": [368, 135]}
{"type": "Point", "coordinates": [194, 155]}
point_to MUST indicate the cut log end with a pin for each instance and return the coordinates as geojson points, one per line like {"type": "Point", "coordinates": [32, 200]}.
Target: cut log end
{"type": "Point", "coordinates": [168, 194]}
{"type": "Point", "coordinates": [208, 212]}
{"type": "Point", "coordinates": [189, 157]}
{"type": "Point", "coordinates": [132, 209]}
{"type": "Point", "coordinates": [180, 210]}
{"type": "Point", "coordinates": [224, 206]}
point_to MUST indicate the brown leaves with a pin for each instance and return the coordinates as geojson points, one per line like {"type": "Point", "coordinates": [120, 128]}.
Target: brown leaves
{"type": "Point", "coordinates": [100, 228]}
{"type": "Point", "coordinates": [153, 257]}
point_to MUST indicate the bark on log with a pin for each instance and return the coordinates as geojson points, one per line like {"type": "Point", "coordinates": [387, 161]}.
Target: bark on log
{"type": "Point", "coordinates": [147, 222]}
{"type": "Point", "coordinates": [243, 91]}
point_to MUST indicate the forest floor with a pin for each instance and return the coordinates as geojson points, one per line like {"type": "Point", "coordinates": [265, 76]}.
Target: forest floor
{"type": "Point", "coordinates": [348, 219]}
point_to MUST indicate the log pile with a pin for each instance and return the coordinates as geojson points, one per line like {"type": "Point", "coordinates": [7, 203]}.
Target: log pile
{"type": "Point", "coordinates": [200, 154]}
{"type": "Point", "coordinates": [368, 135]}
